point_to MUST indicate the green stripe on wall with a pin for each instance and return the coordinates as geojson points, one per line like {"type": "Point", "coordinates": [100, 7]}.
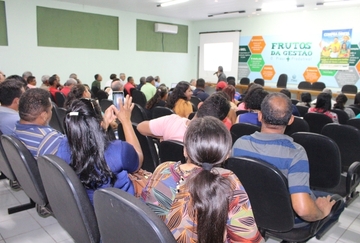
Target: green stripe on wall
{"type": "Point", "coordinates": [148, 40]}
{"type": "Point", "coordinates": [63, 28]}
{"type": "Point", "coordinates": [3, 30]}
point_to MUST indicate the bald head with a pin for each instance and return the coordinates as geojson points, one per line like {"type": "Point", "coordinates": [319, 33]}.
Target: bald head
{"type": "Point", "coordinates": [276, 109]}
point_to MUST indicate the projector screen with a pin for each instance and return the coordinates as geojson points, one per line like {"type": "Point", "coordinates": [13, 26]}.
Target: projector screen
{"type": "Point", "coordinates": [218, 49]}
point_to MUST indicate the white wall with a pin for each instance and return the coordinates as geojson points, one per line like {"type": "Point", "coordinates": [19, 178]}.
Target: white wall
{"type": "Point", "coordinates": [23, 54]}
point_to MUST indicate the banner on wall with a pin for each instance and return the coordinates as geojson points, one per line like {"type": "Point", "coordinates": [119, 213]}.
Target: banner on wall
{"type": "Point", "coordinates": [335, 49]}
{"type": "Point", "coordinates": [269, 56]}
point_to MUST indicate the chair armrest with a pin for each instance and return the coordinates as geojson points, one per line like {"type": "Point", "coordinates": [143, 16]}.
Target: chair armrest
{"type": "Point", "coordinates": [353, 177]}
{"type": "Point", "coordinates": [316, 226]}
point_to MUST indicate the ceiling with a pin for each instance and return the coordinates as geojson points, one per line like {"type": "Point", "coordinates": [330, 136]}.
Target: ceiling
{"type": "Point", "coordinates": [195, 9]}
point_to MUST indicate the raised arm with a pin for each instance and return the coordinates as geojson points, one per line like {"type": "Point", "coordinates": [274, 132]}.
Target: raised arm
{"type": "Point", "coordinates": [124, 115]}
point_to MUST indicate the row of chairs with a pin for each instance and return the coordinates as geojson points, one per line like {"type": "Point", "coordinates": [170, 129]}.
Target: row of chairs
{"type": "Point", "coordinates": [281, 83]}
{"type": "Point", "coordinates": [345, 137]}
{"type": "Point", "coordinates": [51, 182]}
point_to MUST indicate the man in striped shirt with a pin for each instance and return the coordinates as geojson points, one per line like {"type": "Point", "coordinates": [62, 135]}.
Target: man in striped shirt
{"type": "Point", "coordinates": [272, 146]}
{"type": "Point", "coordinates": [33, 129]}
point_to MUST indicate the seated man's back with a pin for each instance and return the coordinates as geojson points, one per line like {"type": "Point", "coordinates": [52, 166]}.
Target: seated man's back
{"type": "Point", "coordinates": [272, 146]}
{"type": "Point", "coordinates": [33, 129]}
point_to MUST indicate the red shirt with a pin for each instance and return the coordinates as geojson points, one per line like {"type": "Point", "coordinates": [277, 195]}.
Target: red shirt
{"type": "Point", "coordinates": [65, 90]}
{"type": "Point", "coordinates": [53, 91]}
{"type": "Point", "coordinates": [128, 86]}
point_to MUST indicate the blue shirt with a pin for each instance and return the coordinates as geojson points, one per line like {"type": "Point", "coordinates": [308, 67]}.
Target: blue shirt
{"type": "Point", "coordinates": [200, 94]}
{"type": "Point", "coordinates": [121, 158]}
{"type": "Point", "coordinates": [39, 140]}
{"type": "Point", "coordinates": [250, 117]}
{"type": "Point", "coordinates": [279, 150]}
{"type": "Point", "coordinates": [9, 117]}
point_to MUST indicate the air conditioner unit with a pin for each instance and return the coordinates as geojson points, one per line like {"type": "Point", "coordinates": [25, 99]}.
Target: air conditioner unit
{"type": "Point", "coordinates": [166, 28]}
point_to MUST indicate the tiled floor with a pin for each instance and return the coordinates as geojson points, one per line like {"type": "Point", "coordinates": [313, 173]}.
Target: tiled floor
{"type": "Point", "coordinates": [28, 227]}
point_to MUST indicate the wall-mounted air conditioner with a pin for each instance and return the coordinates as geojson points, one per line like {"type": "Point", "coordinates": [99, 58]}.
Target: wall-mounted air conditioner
{"type": "Point", "coordinates": [166, 28]}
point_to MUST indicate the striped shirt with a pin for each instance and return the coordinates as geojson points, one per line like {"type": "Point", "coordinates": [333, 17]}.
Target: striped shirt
{"type": "Point", "coordinates": [281, 151]}
{"type": "Point", "coordinates": [39, 140]}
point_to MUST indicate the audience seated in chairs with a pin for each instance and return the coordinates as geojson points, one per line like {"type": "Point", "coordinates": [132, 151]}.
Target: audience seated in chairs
{"type": "Point", "coordinates": [173, 127]}
{"type": "Point", "coordinates": [179, 99]}
{"type": "Point", "coordinates": [33, 129]}
{"type": "Point", "coordinates": [341, 100]}
{"type": "Point", "coordinates": [323, 105]}
{"type": "Point", "coordinates": [295, 110]}
{"type": "Point", "coordinates": [305, 99]}
{"type": "Point", "coordinates": [200, 90]}
{"type": "Point", "coordinates": [252, 101]}
{"type": "Point", "coordinates": [67, 86]}
{"type": "Point", "coordinates": [194, 181]}
{"type": "Point", "coordinates": [78, 91]}
{"type": "Point", "coordinates": [230, 93]}
{"type": "Point", "coordinates": [250, 89]}
{"type": "Point", "coordinates": [98, 162]}
{"type": "Point", "coordinates": [272, 146]}
{"type": "Point", "coordinates": [159, 99]}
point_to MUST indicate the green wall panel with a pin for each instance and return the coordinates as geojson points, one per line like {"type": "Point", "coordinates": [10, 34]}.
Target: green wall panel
{"type": "Point", "coordinates": [63, 28]}
{"type": "Point", "coordinates": [148, 40]}
{"type": "Point", "coordinates": [3, 30]}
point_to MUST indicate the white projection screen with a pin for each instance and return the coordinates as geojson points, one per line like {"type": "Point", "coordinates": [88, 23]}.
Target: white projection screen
{"type": "Point", "coordinates": [218, 49]}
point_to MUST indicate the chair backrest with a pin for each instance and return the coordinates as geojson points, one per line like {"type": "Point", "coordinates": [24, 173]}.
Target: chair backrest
{"type": "Point", "coordinates": [104, 104]}
{"type": "Point", "coordinates": [245, 81]}
{"type": "Point", "coordinates": [160, 111]}
{"type": "Point", "coordinates": [210, 89]}
{"type": "Point", "coordinates": [343, 117]}
{"type": "Point", "coordinates": [151, 158]}
{"type": "Point", "coordinates": [171, 150]}
{"type": "Point", "coordinates": [355, 122]}
{"type": "Point", "coordinates": [239, 112]}
{"type": "Point", "coordinates": [261, 180]}
{"type": "Point", "coordinates": [324, 159]}
{"type": "Point", "coordinates": [191, 115]}
{"type": "Point", "coordinates": [304, 85]}
{"type": "Point", "coordinates": [294, 101]}
{"type": "Point", "coordinates": [68, 199]}
{"type": "Point", "coordinates": [60, 99]}
{"type": "Point", "coordinates": [195, 101]}
{"type": "Point", "coordinates": [259, 81]}
{"type": "Point", "coordinates": [138, 97]}
{"type": "Point", "coordinates": [122, 216]}
{"type": "Point", "coordinates": [348, 139]}
{"type": "Point", "coordinates": [138, 114]}
{"type": "Point", "coordinates": [282, 81]}
{"type": "Point", "coordinates": [356, 109]}
{"type": "Point", "coordinates": [61, 112]}
{"type": "Point", "coordinates": [5, 166]}
{"type": "Point", "coordinates": [318, 86]}
{"type": "Point", "coordinates": [299, 125]}
{"type": "Point", "coordinates": [349, 88]}
{"type": "Point", "coordinates": [240, 129]}
{"type": "Point", "coordinates": [25, 169]}
{"type": "Point", "coordinates": [302, 110]}
{"type": "Point", "coordinates": [317, 121]}
{"type": "Point", "coordinates": [55, 121]}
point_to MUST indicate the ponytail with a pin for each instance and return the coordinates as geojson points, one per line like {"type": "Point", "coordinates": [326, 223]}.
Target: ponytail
{"type": "Point", "coordinates": [210, 193]}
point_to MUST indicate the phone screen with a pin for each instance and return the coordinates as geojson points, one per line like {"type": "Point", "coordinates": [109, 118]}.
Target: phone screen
{"type": "Point", "coordinates": [117, 95]}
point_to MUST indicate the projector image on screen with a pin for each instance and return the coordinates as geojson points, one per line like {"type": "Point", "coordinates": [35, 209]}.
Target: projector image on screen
{"type": "Point", "coordinates": [166, 28]}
